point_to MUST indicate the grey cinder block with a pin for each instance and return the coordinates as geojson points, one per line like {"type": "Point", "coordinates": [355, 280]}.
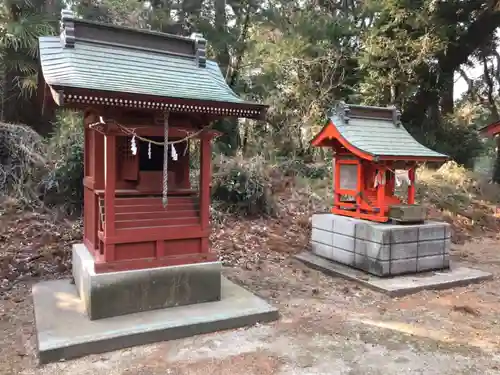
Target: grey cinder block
{"type": "Point", "coordinates": [384, 249]}
{"type": "Point", "coordinates": [322, 236]}
{"type": "Point", "coordinates": [345, 225]}
{"type": "Point", "coordinates": [323, 221]}
{"type": "Point", "coordinates": [435, 262]}
{"type": "Point", "coordinates": [343, 256]}
{"type": "Point", "coordinates": [343, 242]}
{"type": "Point", "coordinates": [429, 248]}
{"type": "Point", "coordinates": [373, 250]}
{"type": "Point", "coordinates": [322, 250]}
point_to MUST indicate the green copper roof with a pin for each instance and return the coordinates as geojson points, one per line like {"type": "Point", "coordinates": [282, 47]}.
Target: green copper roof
{"type": "Point", "coordinates": [378, 132]}
{"type": "Point", "coordinates": [110, 68]}
{"type": "Point", "coordinates": [121, 61]}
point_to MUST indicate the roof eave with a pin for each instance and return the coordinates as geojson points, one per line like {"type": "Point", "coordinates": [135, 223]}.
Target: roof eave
{"type": "Point", "coordinates": [491, 129]}
{"type": "Point", "coordinates": [82, 97]}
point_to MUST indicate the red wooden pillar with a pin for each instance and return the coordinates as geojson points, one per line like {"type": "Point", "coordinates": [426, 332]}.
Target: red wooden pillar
{"type": "Point", "coordinates": [205, 177]}
{"type": "Point", "coordinates": [411, 188]}
{"type": "Point", "coordinates": [109, 195]}
{"type": "Point", "coordinates": [336, 183]}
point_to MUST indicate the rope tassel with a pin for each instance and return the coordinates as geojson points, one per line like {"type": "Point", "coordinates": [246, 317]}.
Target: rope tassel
{"type": "Point", "coordinates": [165, 162]}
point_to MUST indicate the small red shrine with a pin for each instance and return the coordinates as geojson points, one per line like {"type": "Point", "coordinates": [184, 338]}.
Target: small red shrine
{"type": "Point", "coordinates": [372, 153]}
{"type": "Point", "coordinates": [146, 97]}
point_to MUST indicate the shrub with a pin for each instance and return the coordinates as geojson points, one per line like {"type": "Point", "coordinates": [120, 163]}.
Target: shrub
{"type": "Point", "coordinates": [243, 186]}
{"type": "Point", "coordinates": [62, 185]}
{"type": "Point", "coordinates": [23, 162]}
{"type": "Point", "coordinates": [299, 168]}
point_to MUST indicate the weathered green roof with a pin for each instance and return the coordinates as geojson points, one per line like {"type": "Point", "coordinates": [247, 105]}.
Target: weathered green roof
{"type": "Point", "coordinates": [109, 68]}
{"type": "Point", "coordinates": [105, 58]}
{"type": "Point", "coordinates": [378, 131]}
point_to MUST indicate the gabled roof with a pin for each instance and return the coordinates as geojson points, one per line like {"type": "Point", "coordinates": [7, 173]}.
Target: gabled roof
{"type": "Point", "coordinates": [373, 133]}
{"type": "Point", "coordinates": [157, 70]}
{"type": "Point", "coordinates": [491, 129]}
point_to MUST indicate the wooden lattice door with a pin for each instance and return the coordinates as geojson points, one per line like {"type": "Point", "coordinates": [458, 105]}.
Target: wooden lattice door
{"type": "Point", "coordinates": [129, 163]}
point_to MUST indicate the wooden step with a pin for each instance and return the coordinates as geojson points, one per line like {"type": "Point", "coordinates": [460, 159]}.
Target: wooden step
{"type": "Point", "coordinates": [128, 224]}
{"type": "Point", "coordinates": [156, 208]}
{"type": "Point", "coordinates": [143, 201]}
{"type": "Point", "coordinates": [156, 215]}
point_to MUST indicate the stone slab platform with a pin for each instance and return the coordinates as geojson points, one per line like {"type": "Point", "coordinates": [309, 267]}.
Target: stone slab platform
{"type": "Point", "coordinates": [398, 286]}
{"type": "Point", "coordinates": [64, 331]}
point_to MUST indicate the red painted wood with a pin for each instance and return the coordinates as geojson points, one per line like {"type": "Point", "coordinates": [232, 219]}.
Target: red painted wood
{"type": "Point", "coordinates": [205, 177]}
{"type": "Point", "coordinates": [157, 208]}
{"type": "Point", "coordinates": [156, 233]}
{"type": "Point", "coordinates": [130, 251]}
{"type": "Point", "coordinates": [139, 232]}
{"type": "Point", "coordinates": [157, 215]}
{"type": "Point", "coordinates": [411, 188]}
{"type": "Point", "coordinates": [120, 201]}
{"type": "Point", "coordinates": [135, 264]}
{"type": "Point", "coordinates": [109, 194]}
{"type": "Point", "coordinates": [152, 223]}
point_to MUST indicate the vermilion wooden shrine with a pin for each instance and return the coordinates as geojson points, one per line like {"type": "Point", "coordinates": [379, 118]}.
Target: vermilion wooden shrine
{"type": "Point", "coordinates": [139, 89]}
{"type": "Point", "coordinates": [370, 144]}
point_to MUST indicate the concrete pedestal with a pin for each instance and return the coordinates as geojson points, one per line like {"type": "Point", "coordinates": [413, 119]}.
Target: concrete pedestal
{"type": "Point", "coordinates": [379, 248]}
{"type": "Point", "coordinates": [118, 293]}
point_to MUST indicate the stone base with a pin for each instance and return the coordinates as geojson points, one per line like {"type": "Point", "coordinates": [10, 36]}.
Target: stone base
{"type": "Point", "coordinates": [379, 248]}
{"type": "Point", "coordinates": [111, 294]}
{"type": "Point", "coordinates": [401, 285]}
{"type": "Point", "coordinates": [64, 331]}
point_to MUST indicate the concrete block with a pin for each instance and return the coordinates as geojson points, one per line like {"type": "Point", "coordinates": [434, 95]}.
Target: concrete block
{"type": "Point", "coordinates": [431, 231]}
{"type": "Point", "coordinates": [322, 250]}
{"type": "Point", "coordinates": [403, 250]}
{"type": "Point", "coordinates": [323, 221]}
{"type": "Point", "coordinates": [373, 266]}
{"type": "Point", "coordinates": [403, 266]}
{"type": "Point", "coordinates": [447, 245]}
{"type": "Point", "coordinates": [345, 225]}
{"type": "Point", "coordinates": [404, 233]}
{"type": "Point", "coordinates": [435, 262]}
{"type": "Point", "coordinates": [343, 256]}
{"type": "Point", "coordinates": [322, 236]}
{"type": "Point", "coordinates": [429, 248]}
{"type": "Point", "coordinates": [446, 260]}
{"type": "Point", "coordinates": [341, 241]}
{"type": "Point", "coordinates": [63, 330]}
{"type": "Point", "coordinates": [373, 250]}
{"type": "Point", "coordinates": [118, 293]}
{"type": "Point", "coordinates": [373, 232]}
{"type": "Point", "coordinates": [448, 231]}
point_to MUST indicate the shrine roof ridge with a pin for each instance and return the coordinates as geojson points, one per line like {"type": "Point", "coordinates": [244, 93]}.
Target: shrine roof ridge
{"type": "Point", "coordinates": [373, 132]}
{"type": "Point", "coordinates": [74, 30]}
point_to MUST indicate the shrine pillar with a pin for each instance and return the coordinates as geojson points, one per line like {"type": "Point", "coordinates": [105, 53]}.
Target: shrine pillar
{"type": "Point", "coordinates": [109, 195]}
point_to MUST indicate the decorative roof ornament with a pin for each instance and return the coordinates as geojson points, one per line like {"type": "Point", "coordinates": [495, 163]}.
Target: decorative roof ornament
{"type": "Point", "coordinates": [396, 116]}
{"type": "Point", "coordinates": [342, 110]}
{"type": "Point", "coordinates": [200, 46]}
{"type": "Point", "coordinates": [67, 29]}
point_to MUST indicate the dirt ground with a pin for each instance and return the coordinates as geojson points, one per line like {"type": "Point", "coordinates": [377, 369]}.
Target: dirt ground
{"type": "Point", "coordinates": [327, 326]}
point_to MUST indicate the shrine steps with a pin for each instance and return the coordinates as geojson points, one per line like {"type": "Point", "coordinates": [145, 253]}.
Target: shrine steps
{"type": "Point", "coordinates": [149, 212]}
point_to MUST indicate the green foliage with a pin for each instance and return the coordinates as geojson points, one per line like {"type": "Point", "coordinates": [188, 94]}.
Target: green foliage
{"type": "Point", "coordinates": [298, 168]}
{"type": "Point", "coordinates": [243, 187]}
{"type": "Point", "coordinates": [62, 186]}
{"type": "Point", "coordinates": [462, 143]}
